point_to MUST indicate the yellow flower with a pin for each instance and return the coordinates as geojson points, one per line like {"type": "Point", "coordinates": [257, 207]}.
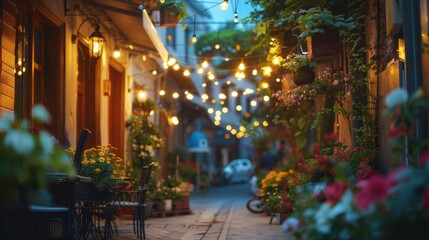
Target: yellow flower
{"type": "Point", "coordinates": [92, 161]}
{"type": "Point", "coordinates": [102, 159]}
{"type": "Point", "coordinates": [97, 170]}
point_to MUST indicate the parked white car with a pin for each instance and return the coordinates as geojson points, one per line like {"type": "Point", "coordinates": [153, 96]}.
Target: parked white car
{"type": "Point", "coordinates": [238, 170]}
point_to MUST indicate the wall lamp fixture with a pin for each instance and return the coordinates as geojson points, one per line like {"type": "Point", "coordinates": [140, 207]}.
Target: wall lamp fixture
{"type": "Point", "coordinates": [95, 39]}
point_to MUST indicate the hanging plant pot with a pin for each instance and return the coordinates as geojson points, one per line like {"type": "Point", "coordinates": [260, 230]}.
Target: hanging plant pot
{"type": "Point", "coordinates": [304, 75]}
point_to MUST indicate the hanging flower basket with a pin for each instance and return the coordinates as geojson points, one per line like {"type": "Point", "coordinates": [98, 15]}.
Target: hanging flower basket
{"type": "Point", "coordinates": [304, 75]}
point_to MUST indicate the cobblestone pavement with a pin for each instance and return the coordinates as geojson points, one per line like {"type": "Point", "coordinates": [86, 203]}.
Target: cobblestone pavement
{"type": "Point", "coordinates": [219, 214]}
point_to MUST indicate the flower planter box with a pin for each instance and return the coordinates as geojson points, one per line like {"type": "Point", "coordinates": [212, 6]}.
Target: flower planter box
{"type": "Point", "coordinates": [168, 17]}
{"type": "Point", "coordinates": [304, 75]}
{"type": "Point", "coordinates": [324, 44]}
{"type": "Point", "coordinates": [182, 203]}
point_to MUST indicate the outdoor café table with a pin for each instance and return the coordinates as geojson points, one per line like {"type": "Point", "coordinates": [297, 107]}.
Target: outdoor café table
{"type": "Point", "coordinates": [91, 210]}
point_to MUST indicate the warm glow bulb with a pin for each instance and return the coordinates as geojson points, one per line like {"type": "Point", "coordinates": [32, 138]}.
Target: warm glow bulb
{"type": "Point", "coordinates": [210, 110]}
{"type": "Point", "coordinates": [267, 71]}
{"type": "Point", "coordinates": [141, 95]}
{"type": "Point", "coordinates": [228, 127]}
{"type": "Point", "coordinates": [205, 64]}
{"type": "Point", "coordinates": [265, 123]}
{"type": "Point", "coordinates": [222, 96]}
{"type": "Point", "coordinates": [189, 96]}
{"type": "Point", "coordinates": [238, 108]}
{"type": "Point", "coordinates": [200, 70]}
{"type": "Point", "coordinates": [174, 120]}
{"type": "Point", "coordinates": [176, 67]}
{"type": "Point", "coordinates": [265, 85]}
{"type": "Point", "coordinates": [235, 17]}
{"type": "Point", "coordinates": [204, 97]}
{"type": "Point", "coordinates": [116, 53]}
{"type": "Point", "coordinates": [254, 72]}
{"type": "Point", "coordinates": [186, 73]}
{"type": "Point", "coordinates": [217, 46]}
{"type": "Point", "coordinates": [224, 5]}
{"type": "Point", "coordinates": [171, 61]}
{"type": "Point", "coordinates": [224, 109]}
{"type": "Point", "coordinates": [266, 98]}
{"type": "Point", "coordinates": [241, 67]}
{"type": "Point", "coordinates": [253, 103]}
{"type": "Point", "coordinates": [234, 93]}
{"type": "Point", "coordinates": [175, 95]}
{"type": "Point", "coordinates": [194, 38]}
{"type": "Point", "coordinates": [161, 92]}
{"type": "Point", "coordinates": [154, 72]}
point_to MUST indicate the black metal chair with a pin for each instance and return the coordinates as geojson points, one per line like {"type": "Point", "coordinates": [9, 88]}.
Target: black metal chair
{"type": "Point", "coordinates": [137, 204]}
{"type": "Point", "coordinates": [58, 221]}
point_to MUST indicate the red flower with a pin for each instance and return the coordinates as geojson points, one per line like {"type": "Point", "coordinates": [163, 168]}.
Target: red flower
{"type": "Point", "coordinates": [316, 149]}
{"type": "Point", "coordinates": [335, 191]}
{"type": "Point", "coordinates": [373, 189]}
{"type": "Point", "coordinates": [331, 137]}
{"type": "Point", "coordinates": [399, 131]}
{"type": "Point", "coordinates": [324, 162]}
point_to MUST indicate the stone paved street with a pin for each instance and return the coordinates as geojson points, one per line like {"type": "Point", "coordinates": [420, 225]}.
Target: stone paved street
{"type": "Point", "coordinates": [219, 214]}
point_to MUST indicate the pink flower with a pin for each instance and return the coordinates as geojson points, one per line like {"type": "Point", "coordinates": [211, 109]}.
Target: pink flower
{"type": "Point", "coordinates": [373, 189]}
{"type": "Point", "coordinates": [336, 82]}
{"type": "Point", "coordinates": [335, 191]}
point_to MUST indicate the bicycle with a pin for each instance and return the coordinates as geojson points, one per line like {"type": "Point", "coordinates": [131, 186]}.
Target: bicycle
{"type": "Point", "coordinates": [255, 204]}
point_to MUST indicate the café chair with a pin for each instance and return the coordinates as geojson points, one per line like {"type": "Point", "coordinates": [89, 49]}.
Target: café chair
{"type": "Point", "coordinates": [137, 204]}
{"type": "Point", "coordinates": [57, 221]}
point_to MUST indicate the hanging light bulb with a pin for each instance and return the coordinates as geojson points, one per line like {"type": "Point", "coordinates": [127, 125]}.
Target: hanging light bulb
{"type": "Point", "coordinates": [200, 70]}
{"type": "Point", "coordinates": [194, 37]}
{"type": "Point", "coordinates": [186, 73]}
{"type": "Point", "coordinates": [217, 46]}
{"type": "Point", "coordinates": [176, 66]}
{"type": "Point", "coordinates": [224, 5]}
{"type": "Point", "coordinates": [235, 17]}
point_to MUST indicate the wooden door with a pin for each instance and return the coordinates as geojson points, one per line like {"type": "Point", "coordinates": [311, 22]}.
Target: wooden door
{"type": "Point", "coordinates": [116, 109]}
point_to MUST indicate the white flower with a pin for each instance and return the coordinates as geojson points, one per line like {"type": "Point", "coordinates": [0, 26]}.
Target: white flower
{"type": "Point", "coordinates": [323, 222]}
{"type": "Point", "coordinates": [46, 142]}
{"type": "Point", "coordinates": [291, 224]}
{"type": "Point", "coordinates": [19, 140]}
{"type": "Point", "coordinates": [396, 97]}
{"type": "Point", "coordinates": [41, 114]}
{"type": "Point", "coordinates": [5, 122]}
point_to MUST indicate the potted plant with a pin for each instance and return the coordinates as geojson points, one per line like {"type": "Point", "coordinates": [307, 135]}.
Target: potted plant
{"type": "Point", "coordinates": [302, 67]}
{"type": "Point", "coordinates": [27, 154]}
{"type": "Point", "coordinates": [105, 169]}
{"type": "Point", "coordinates": [172, 12]}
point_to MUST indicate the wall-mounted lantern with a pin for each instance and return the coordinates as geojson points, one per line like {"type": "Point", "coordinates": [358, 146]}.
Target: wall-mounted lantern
{"type": "Point", "coordinates": [95, 39]}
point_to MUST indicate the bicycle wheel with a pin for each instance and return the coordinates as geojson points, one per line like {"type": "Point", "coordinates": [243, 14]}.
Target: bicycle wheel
{"type": "Point", "coordinates": [255, 205]}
